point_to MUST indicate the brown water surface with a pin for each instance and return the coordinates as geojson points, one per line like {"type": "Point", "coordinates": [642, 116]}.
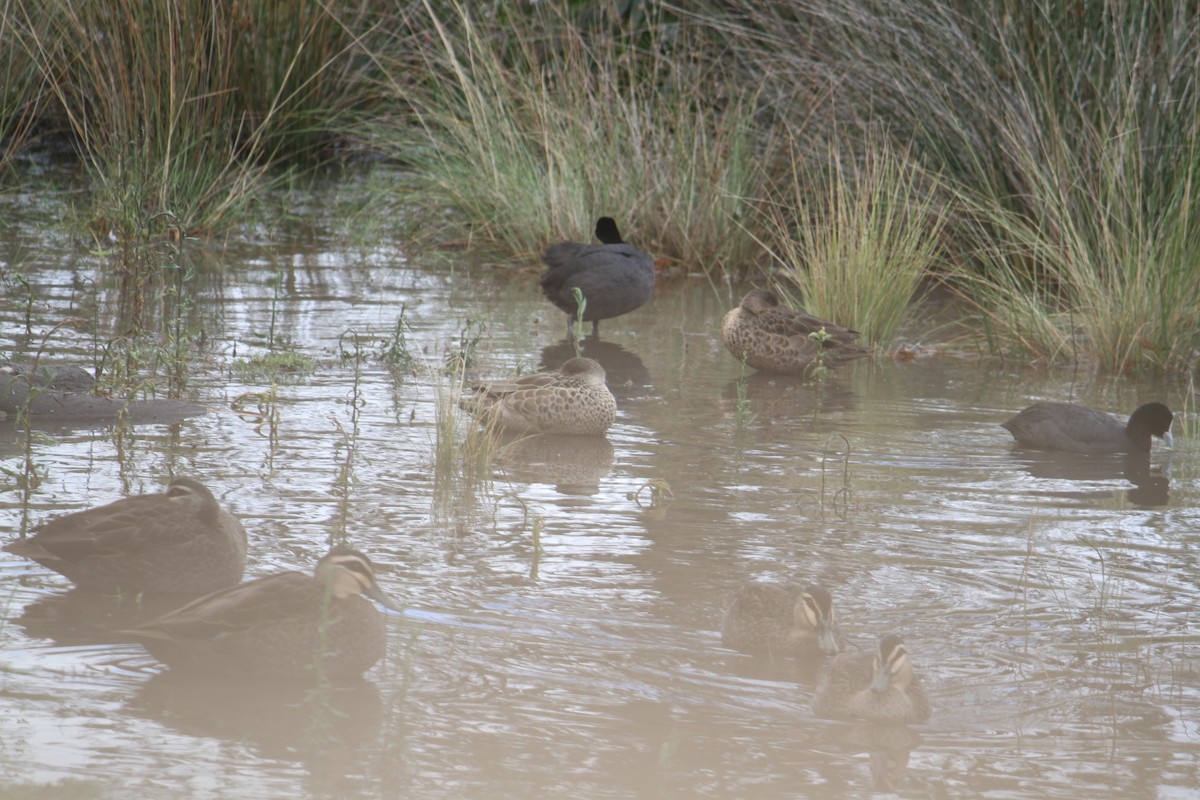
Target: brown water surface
{"type": "Point", "coordinates": [1049, 607]}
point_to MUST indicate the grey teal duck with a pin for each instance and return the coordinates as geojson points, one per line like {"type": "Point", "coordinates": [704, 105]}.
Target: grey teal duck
{"type": "Point", "coordinates": [177, 541]}
{"type": "Point", "coordinates": [1072, 428]}
{"type": "Point", "coordinates": [614, 276]}
{"type": "Point", "coordinates": [288, 626]}
{"type": "Point", "coordinates": [875, 686]}
{"type": "Point", "coordinates": [572, 399]}
{"type": "Point", "coordinates": [781, 619]}
{"type": "Point", "coordinates": [774, 338]}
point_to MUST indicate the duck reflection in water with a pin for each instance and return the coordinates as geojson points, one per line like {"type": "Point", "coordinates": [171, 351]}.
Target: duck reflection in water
{"type": "Point", "coordinates": [64, 394]}
{"type": "Point", "coordinates": [889, 746]}
{"type": "Point", "coordinates": [281, 720]}
{"type": "Point", "coordinates": [85, 616]}
{"type": "Point", "coordinates": [574, 465]}
{"type": "Point", "coordinates": [773, 396]}
{"type": "Point", "coordinates": [627, 376]}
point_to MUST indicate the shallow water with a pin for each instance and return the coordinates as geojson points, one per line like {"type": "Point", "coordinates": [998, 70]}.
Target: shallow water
{"type": "Point", "coordinates": [1049, 611]}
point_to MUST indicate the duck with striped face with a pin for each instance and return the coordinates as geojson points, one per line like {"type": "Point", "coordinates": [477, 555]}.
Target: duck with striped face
{"type": "Point", "coordinates": [878, 686]}
{"type": "Point", "coordinates": [782, 620]}
{"type": "Point", "coordinates": [286, 626]}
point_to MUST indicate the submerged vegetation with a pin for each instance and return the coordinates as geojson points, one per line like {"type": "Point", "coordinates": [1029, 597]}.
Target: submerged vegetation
{"type": "Point", "coordinates": [1039, 159]}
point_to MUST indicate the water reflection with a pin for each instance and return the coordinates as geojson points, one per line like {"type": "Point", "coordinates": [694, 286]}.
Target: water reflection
{"type": "Point", "coordinates": [888, 746]}
{"type": "Point", "coordinates": [572, 464]}
{"type": "Point", "coordinates": [326, 727]}
{"type": "Point", "coordinates": [803, 671]}
{"type": "Point", "coordinates": [1151, 486]}
{"type": "Point", "coordinates": [773, 397]}
{"type": "Point", "coordinates": [626, 375]}
{"type": "Point", "coordinates": [85, 616]}
{"type": "Point", "coordinates": [63, 394]}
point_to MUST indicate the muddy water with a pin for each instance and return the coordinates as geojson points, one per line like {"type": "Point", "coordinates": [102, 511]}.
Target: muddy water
{"type": "Point", "coordinates": [1049, 611]}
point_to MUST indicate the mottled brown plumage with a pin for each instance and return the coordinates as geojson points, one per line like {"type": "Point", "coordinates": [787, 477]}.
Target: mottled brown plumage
{"type": "Point", "coordinates": [781, 619]}
{"type": "Point", "coordinates": [774, 338]}
{"type": "Point", "coordinates": [572, 399]}
{"type": "Point", "coordinates": [876, 686]}
{"type": "Point", "coordinates": [177, 541]}
{"type": "Point", "coordinates": [287, 626]}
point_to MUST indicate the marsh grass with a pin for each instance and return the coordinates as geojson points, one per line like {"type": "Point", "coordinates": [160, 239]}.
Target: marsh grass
{"type": "Point", "coordinates": [22, 88]}
{"type": "Point", "coordinates": [531, 127]}
{"type": "Point", "coordinates": [31, 474]}
{"type": "Point", "coordinates": [532, 523]}
{"type": "Point", "coordinates": [463, 357]}
{"type": "Point", "coordinates": [18, 286]}
{"type": "Point", "coordinates": [837, 495]}
{"type": "Point", "coordinates": [1066, 130]}
{"type": "Point", "coordinates": [653, 495]}
{"type": "Point", "coordinates": [156, 314]}
{"type": "Point", "coordinates": [394, 351]}
{"type": "Point", "coordinates": [1099, 620]}
{"type": "Point", "coordinates": [858, 239]}
{"type": "Point", "coordinates": [744, 415]}
{"type": "Point", "coordinates": [282, 366]}
{"type": "Point", "coordinates": [184, 106]}
{"type": "Point", "coordinates": [1105, 271]}
{"type": "Point", "coordinates": [463, 446]}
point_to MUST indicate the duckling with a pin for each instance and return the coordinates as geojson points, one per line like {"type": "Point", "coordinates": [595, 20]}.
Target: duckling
{"type": "Point", "coordinates": [774, 338]}
{"type": "Point", "coordinates": [1077, 429]}
{"type": "Point", "coordinates": [288, 626]}
{"type": "Point", "coordinates": [614, 276]}
{"type": "Point", "coordinates": [781, 620]}
{"type": "Point", "coordinates": [877, 686]}
{"type": "Point", "coordinates": [179, 541]}
{"type": "Point", "coordinates": [572, 399]}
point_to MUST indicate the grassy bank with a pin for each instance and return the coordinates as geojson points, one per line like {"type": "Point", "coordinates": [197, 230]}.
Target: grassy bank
{"type": "Point", "coordinates": [730, 140]}
{"type": "Point", "coordinates": [533, 126]}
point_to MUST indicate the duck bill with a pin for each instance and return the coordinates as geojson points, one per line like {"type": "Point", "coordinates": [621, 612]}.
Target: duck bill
{"type": "Point", "coordinates": [882, 680]}
{"type": "Point", "coordinates": [827, 641]}
{"type": "Point", "coordinates": [1169, 440]}
{"type": "Point", "coordinates": [376, 594]}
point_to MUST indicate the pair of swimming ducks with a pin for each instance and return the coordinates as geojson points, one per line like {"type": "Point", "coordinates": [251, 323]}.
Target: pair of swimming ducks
{"type": "Point", "coordinates": [881, 685]}
{"type": "Point", "coordinates": [288, 626]}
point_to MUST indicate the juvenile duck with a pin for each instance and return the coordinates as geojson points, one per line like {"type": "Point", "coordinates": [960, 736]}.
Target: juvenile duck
{"type": "Point", "coordinates": [614, 276]}
{"type": "Point", "coordinates": [774, 338]}
{"type": "Point", "coordinates": [877, 686]}
{"type": "Point", "coordinates": [571, 399]}
{"type": "Point", "coordinates": [781, 619]}
{"type": "Point", "coordinates": [177, 541]}
{"type": "Point", "coordinates": [1077, 429]}
{"type": "Point", "coordinates": [287, 626]}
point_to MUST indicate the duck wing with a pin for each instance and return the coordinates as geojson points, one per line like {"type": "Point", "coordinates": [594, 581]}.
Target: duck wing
{"type": "Point", "coordinates": [269, 599]}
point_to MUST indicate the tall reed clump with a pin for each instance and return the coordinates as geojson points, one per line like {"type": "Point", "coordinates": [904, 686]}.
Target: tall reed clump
{"type": "Point", "coordinates": [858, 238]}
{"type": "Point", "coordinates": [463, 447]}
{"type": "Point", "coordinates": [1068, 129]}
{"type": "Point", "coordinates": [532, 127]}
{"type": "Point", "coordinates": [181, 106]}
{"type": "Point", "coordinates": [1103, 267]}
{"type": "Point", "coordinates": [22, 90]}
